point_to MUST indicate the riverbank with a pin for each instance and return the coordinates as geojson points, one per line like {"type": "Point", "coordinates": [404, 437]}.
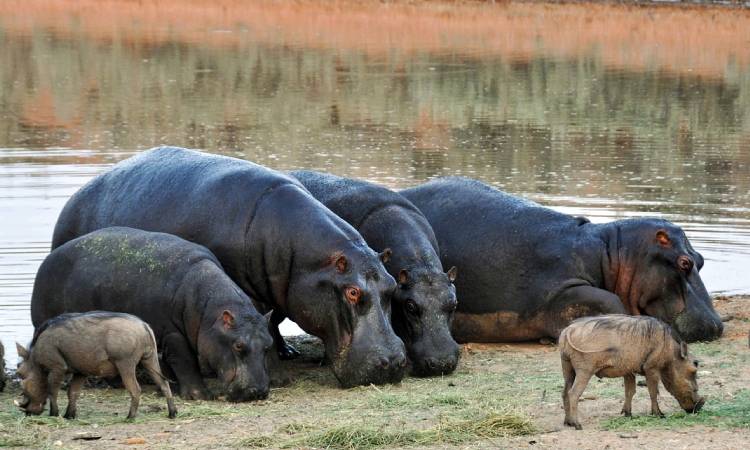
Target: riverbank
{"type": "Point", "coordinates": [505, 395]}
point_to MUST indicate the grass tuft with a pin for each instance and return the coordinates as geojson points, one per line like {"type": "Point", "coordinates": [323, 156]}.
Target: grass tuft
{"type": "Point", "coordinates": [496, 424]}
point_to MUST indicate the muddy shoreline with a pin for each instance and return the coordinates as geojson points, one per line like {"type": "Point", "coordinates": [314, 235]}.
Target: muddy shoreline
{"type": "Point", "coordinates": [518, 380]}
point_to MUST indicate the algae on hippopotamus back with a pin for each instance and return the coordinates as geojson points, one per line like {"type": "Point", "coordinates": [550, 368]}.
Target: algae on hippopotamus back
{"type": "Point", "coordinates": [123, 253]}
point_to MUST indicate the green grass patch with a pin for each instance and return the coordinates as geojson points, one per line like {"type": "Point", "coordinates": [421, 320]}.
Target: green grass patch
{"type": "Point", "coordinates": [719, 413]}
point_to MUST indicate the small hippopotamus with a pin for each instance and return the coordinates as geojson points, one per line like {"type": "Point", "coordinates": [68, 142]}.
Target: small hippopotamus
{"type": "Point", "coordinates": [616, 346]}
{"type": "Point", "coordinates": [285, 249]}
{"type": "Point", "coordinates": [425, 300]}
{"type": "Point", "coordinates": [2, 367]}
{"type": "Point", "coordinates": [97, 343]}
{"type": "Point", "coordinates": [203, 322]}
{"type": "Point", "coordinates": [527, 271]}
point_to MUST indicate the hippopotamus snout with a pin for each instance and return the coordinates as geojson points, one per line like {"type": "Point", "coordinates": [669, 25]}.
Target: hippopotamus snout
{"type": "Point", "coordinates": [693, 328]}
{"type": "Point", "coordinates": [378, 368]}
{"type": "Point", "coordinates": [440, 362]}
{"type": "Point", "coordinates": [248, 394]}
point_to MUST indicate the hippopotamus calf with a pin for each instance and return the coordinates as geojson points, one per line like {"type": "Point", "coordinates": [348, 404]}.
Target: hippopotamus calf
{"type": "Point", "coordinates": [621, 346]}
{"type": "Point", "coordinates": [97, 343]}
{"type": "Point", "coordinates": [425, 300]}
{"type": "Point", "coordinates": [203, 322]}
{"type": "Point", "coordinates": [527, 271]}
{"type": "Point", "coordinates": [285, 249]}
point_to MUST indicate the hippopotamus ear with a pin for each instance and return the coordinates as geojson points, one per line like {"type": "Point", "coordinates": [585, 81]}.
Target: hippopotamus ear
{"type": "Point", "coordinates": [385, 256]}
{"type": "Point", "coordinates": [228, 319]}
{"type": "Point", "coordinates": [403, 277]}
{"type": "Point", "coordinates": [452, 272]}
{"type": "Point", "coordinates": [22, 352]}
{"type": "Point", "coordinates": [683, 349]}
{"type": "Point", "coordinates": [663, 238]}
{"type": "Point", "coordinates": [341, 264]}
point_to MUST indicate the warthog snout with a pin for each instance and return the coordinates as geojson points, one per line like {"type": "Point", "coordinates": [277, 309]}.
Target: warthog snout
{"type": "Point", "coordinates": [697, 407]}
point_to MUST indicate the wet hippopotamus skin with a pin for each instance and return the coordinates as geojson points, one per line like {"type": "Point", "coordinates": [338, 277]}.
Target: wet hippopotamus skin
{"type": "Point", "coordinates": [424, 303]}
{"type": "Point", "coordinates": [285, 249]}
{"type": "Point", "coordinates": [202, 321]}
{"type": "Point", "coordinates": [528, 271]}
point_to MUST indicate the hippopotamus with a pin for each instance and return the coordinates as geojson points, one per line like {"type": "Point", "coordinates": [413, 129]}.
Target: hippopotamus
{"type": "Point", "coordinates": [2, 367]}
{"type": "Point", "coordinates": [527, 271]}
{"type": "Point", "coordinates": [283, 248]}
{"type": "Point", "coordinates": [424, 303]}
{"type": "Point", "coordinates": [203, 322]}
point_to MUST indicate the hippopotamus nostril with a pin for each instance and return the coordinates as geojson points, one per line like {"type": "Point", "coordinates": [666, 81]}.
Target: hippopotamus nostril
{"type": "Point", "coordinates": [399, 360]}
{"type": "Point", "coordinates": [382, 362]}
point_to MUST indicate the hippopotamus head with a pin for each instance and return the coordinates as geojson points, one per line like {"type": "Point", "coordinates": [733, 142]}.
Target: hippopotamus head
{"type": "Point", "coordinates": [423, 307]}
{"type": "Point", "coordinates": [655, 272]}
{"type": "Point", "coordinates": [234, 345]}
{"type": "Point", "coordinates": [33, 384]}
{"type": "Point", "coordinates": [349, 296]}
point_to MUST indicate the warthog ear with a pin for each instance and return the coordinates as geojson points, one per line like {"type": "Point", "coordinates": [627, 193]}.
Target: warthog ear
{"type": "Point", "coordinates": [385, 256]}
{"type": "Point", "coordinates": [22, 352]}
{"type": "Point", "coordinates": [228, 319]}
{"type": "Point", "coordinates": [663, 238]}
{"type": "Point", "coordinates": [452, 272]}
{"type": "Point", "coordinates": [267, 316]}
{"type": "Point", "coordinates": [683, 350]}
{"type": "Point", "coordinates": [403, 277]}
{"type": "Point", "coordinates": [341, 264]}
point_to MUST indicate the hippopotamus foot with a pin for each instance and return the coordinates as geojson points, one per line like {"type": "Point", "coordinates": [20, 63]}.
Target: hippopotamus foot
{"type": "Point", "coordinates": [286, 352]}
{"type": "Point", "coordinates": [580, 301]}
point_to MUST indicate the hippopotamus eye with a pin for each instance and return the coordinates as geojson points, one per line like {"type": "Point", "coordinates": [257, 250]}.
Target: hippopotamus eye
{"type": "Point", "coordinates": [411, 307]}
{"type": "Point", "coordinates": [685, 263]}
{"type": "Point", "coordinates": [238, 347]}
{"type": "Point", "coordinates": [352, 294]}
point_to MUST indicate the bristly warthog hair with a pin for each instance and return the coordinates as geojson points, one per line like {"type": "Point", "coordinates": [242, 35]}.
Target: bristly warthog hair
{"type": "Point", "coordinates": [642, 326]}
{"type": "Point", "coordinates": [62, 318]}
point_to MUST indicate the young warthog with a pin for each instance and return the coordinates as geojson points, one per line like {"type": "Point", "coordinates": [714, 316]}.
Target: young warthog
{"type": "Point", "coordinates": [97, 343]}
{"type": "Point", "coordinates": [621, 346]}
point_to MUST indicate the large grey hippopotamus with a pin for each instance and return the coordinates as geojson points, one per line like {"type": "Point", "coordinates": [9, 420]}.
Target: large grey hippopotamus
{"type": "Point", "coordinates": [527, 271]}
{"type": "Point", "coordinates": [203, 322]}
{"type": "Point", "coordinates": [281, 246]}
{"type": "Point", "coordinates": [424, 303]}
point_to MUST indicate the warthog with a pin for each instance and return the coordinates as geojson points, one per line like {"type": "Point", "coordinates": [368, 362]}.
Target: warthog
{"type": "Point", "coordinates": [621, 346]}
{"type": "Point", "coordinates": [102, 344]}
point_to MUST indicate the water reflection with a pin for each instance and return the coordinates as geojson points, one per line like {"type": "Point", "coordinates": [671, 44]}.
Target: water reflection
{"type": "Point", "coordinates": [583, 128]}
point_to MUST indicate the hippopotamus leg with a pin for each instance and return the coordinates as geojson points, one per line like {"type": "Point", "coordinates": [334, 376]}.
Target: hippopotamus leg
{"type": "Point", "coordinates": [580, 301]}
{"type": "Point", "coordinates": [284, 350]}
{"type": "Point", "coordinates": [180, 358]}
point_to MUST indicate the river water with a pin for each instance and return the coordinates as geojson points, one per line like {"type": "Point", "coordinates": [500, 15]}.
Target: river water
{"type": "Point", "coordinates": [634, 116]}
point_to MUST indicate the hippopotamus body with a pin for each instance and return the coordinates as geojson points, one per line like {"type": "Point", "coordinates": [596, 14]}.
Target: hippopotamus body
{"type": "Point", "coordinates": [202, 321]}
{"type": "Point", "coordinates": [285, 249]}
{"type": "Point", "coordinates": [423, 304]}
{"type": "Point", "coordinates": [528, 271]}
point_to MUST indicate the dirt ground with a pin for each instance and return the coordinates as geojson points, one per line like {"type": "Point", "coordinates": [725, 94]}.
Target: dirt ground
{"type": "Point", "coordinates": [518, 379]}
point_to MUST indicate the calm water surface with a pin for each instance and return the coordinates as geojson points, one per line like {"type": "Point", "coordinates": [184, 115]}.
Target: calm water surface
{"type": "Point", "coordinates": [580, 130]}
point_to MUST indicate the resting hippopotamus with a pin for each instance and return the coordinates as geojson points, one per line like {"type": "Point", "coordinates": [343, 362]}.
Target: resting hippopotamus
{"type": "Point", "coordinates": [527, 271]}
{"type": "Point", "coordinates": [202, 321]}
{"type": "Point", "coordinates": [281, 246]}
{"type": "Point", "coordinates": [424, 303]}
